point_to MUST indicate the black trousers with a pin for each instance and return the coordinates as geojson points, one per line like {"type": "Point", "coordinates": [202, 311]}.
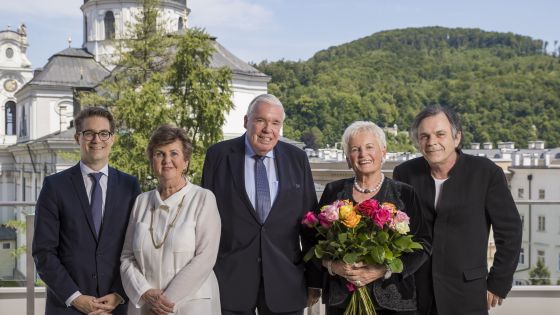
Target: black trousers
{"type": "Point", "coordinates": [260, 306]}
{"type": "Point", "coordinates": [340, 311]}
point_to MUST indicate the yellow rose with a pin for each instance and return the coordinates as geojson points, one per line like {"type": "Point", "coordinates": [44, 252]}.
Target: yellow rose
{"type": "Point", "coordinates": [352, 219]}
{"type": "Point", "coordinates": [345, 211]}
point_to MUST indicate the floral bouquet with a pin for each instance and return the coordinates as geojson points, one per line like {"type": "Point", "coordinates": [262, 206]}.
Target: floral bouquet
{"type": "Point", "coordinates": [370, 232]}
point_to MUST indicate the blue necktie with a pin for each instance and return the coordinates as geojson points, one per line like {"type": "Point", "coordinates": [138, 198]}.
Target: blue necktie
{"type": "Point", "coordinates": [96, 201]}
{"type": "Point", "coordinates": [262, 190]}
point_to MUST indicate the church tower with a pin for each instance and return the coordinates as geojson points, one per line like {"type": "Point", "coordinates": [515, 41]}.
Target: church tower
{"type": "Point", "coordinates": [107, 20]}
{"type": "Point", "coordinates": [15, 71]}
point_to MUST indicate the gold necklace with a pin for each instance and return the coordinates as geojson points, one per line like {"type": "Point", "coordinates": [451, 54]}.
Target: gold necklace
{"type": "Point", "coordinates": [169, 226]}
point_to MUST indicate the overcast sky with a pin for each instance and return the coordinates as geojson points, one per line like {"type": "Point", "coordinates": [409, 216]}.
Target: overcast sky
{"type": "Point", "coordinates": [294, 29]}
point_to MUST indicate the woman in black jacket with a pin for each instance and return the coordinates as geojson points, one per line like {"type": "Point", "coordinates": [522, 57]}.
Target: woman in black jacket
{"type": "Point", "coordinates": [365, 147]}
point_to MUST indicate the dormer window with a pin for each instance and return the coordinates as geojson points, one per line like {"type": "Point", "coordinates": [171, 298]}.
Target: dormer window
{"type": "Point", "coordinates": [109, 25]}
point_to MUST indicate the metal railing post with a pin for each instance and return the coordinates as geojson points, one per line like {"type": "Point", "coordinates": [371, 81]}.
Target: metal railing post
{"type": "Point", "coordinates": [30, 265]}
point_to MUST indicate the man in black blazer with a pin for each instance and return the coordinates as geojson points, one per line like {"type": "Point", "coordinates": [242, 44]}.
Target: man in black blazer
{"type": "Point", "coordinates": [80, 222]}
{"type": "Point", "coordinates": [469, 195]}
{"type": "Point", "coordinates": [260, 263]}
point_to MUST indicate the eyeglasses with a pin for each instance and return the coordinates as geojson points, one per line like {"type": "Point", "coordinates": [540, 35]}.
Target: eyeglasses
{"type": "Point", "coordinates": [89, 135]}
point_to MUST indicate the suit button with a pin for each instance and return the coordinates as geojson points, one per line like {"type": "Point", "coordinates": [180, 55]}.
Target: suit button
{"type": "Point", "coordinates": [94, 276]}
{"type": "Point", "coordinates": [259, 260]}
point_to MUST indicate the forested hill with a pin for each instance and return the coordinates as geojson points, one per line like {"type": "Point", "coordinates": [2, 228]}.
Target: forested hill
{"type": "Point", "coordinates": [503, 86]}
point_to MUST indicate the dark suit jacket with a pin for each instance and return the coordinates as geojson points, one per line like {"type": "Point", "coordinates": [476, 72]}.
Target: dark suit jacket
{"type": "Point", "coordinates": [67, 254]}
{"type": "Point", "coordinates": [397, 293]}
{"type": "Point", "coordinates": [249, 250]}
{"type": "Point", "coordinates": [473, 198]}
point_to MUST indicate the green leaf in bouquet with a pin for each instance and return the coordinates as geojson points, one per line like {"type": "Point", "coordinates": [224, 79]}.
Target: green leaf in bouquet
{"type": "Point", "coordinates": [377, 254]}
{"type": "Point", "coordinates": [342, 237]}
{"type": "Point", "coordinates": [310, 253]}
{"type": "Point", "coordinates": [403, 242]}
{"type": "Point", "coordinates": [334, 244]}
{"type": "Point", "coordinates": [382, 237]}
{"type": "Point", "coordinates": [396, 265]}
{"type": "Point", "coordinates": [416, 245]}
{"type": "Point", "coordinates": [350, 258]}
{"type": "Point", "coordinates": [318, 252]}
{"type": "Point", "coordinates": [388, 253]}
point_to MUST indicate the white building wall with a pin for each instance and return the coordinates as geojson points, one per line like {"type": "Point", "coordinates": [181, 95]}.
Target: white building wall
{"type": "Point", "coordinates": [547, 239]}
{"type": "Point", "coordinates": [244, 91]}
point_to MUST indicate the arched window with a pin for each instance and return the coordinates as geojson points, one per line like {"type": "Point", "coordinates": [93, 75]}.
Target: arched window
{"type": "Point", "coordinates": [109, 25]}
{"type": "Point", "coordinates": [180, 24]}
{"type": "Point", "coordinates": [10, 118]}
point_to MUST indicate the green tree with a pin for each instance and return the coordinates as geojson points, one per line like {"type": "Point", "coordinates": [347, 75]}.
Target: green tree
{"type": "Point", "coordinates": [160, 79]}
{"type": "Point", "coordinates": [540, 274]}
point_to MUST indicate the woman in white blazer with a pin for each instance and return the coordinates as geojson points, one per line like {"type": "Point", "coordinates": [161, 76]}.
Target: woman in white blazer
{"type": "Point", "coordinates": [172, 238]}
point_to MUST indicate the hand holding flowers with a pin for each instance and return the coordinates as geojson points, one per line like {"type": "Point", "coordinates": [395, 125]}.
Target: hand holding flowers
{"type": "Point", "coordinates": [367, 238]}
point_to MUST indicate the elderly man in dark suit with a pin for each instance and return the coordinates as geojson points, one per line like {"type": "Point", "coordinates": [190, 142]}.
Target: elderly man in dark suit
{"type": "Point", "coordinates": [81, 219]}
{"type": "Point", "coordinates": [263, 188]}
{"type": "Point", "coordinates": [469, 195]}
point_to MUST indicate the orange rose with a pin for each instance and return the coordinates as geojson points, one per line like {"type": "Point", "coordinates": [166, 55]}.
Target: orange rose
{"type": "Point", "coordinates": [389, 206]}
{"type": "Point", "coordinates": [352, 219]}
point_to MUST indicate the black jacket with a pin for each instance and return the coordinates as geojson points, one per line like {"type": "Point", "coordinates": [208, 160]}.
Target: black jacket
{"type": "Point", "coordinates": [474, 197]}
{"type": "Point", "coordinates": [398, 292]}
{"type": "Point", "coordinates": [250, 250]}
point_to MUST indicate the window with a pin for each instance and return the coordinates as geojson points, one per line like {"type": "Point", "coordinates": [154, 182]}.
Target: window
{"type": "Point", "coordinates": [542, 223]}
{"type": "Point", "coordinates": [9, 53]}
{"type": "Point", "coordinates": [85, 29]}
{"type": "Point", "coordinates": [23, 123]}
{"type": "Point", "coordinates": [520, 192]}
{"type": "Point", "coordinates": [180, 24]}
{"type": "Point", "coordinates": [540, 256]}
{"type": "Point", "coordinates": [10, 118]}
{"type": "Point", "coordinates": [522, 256]}
{"type": "Point", "coordinates": [109, 25]}
{"type": "Point", "coordinates": [541, 193]}
{"type": "Point", "coordinates": [7, 246]}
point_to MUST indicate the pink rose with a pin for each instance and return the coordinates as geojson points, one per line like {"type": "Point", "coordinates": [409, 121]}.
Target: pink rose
{"type": "Point", "coordinates": [328, 215]}
{"type": "Point", "coordinates": [310, 219]}
{"type": "Point", "coordinates": [350, 286]}
{"type": "Point", "coordinates": [368, 207]}
{"type": "Point", "coordinates": [381, 217]}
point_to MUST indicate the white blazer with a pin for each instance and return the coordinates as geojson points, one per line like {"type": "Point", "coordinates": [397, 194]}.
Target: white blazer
{"type": "Point", "coordinates": [182, 267]}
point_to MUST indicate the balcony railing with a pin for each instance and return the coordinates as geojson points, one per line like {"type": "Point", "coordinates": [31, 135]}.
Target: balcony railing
{"type": "Point", "coordinates": [541, 240]}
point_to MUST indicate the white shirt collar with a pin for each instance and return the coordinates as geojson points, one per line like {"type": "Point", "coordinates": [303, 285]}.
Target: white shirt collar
{"type": "Point", "coordinates": [86, 170]}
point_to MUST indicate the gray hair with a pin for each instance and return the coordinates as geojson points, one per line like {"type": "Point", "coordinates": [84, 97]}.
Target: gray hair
{"type": "Point", "coordinates": [433, 110]}
{"type": "Point", "coordinates": [265, 98]}
{"type": "Point", "coordinates": [362, 126]}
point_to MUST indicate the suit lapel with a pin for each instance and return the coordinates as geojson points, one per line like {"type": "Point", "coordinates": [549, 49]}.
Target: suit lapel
{"type": "Point", "coordinates": [80, 189]}
{"type": "Point", "coordinates": [281, 161]}
{"type": "Point", "coordinates": [236, 165]}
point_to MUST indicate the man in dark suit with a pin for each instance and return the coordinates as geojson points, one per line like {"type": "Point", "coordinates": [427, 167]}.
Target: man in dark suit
{"type": "Point", "coordinates": [263, 188]}
{"type": "Point", "coordinates": [80, 222]}
{"type": "Point", "coordinates": [469, 195]}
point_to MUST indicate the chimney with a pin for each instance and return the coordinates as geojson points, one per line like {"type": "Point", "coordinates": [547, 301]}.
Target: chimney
{"type": "Point", "coordinates": [475, 145]}
{"type": "Point", "coordinates": [487, 146]}
{"type": "Point", "coordinates": [531, 145]}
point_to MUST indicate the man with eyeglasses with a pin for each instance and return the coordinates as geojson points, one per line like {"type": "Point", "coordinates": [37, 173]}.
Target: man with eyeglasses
{"type": "Point", "coordinates": [80, 222]}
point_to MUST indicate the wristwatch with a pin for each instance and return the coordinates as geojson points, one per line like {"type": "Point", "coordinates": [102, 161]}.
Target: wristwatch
{"type": "Point", "coordinates": [388, 273]}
